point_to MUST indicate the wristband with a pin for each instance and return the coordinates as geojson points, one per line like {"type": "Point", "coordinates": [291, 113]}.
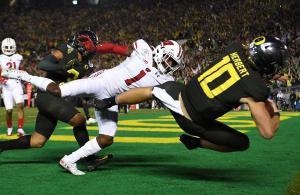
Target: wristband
{"type": "Point", "coordinates": [276, 114]}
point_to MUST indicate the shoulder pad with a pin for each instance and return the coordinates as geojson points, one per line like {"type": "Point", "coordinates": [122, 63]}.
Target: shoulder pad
{"type": "Point", "coordinates": [143, 49]}
{"type": "Point", "coordinates": [18, 57]}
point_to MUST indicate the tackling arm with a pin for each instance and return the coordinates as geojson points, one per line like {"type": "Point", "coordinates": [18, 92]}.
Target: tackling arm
{"type": "Point", "coordinates": [133, 96]}
{"type": "Point", "coordinates": [112, 48]}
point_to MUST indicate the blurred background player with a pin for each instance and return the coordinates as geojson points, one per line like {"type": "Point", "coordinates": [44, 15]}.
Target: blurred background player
{"type": "Point", "coordinates": [12, 91]}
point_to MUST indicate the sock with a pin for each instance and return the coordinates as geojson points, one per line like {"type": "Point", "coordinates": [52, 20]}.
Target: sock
{"type": "Point", "coordinates": [20, 143]}
{"type": "Point", "coordinates": [20, 123]}
{"type": "Point", "coordinates": [81, 134]}
{"type": "Point", "coordinates": [9, 123]}
{"type": "Point", "coordinates": [91, 147]}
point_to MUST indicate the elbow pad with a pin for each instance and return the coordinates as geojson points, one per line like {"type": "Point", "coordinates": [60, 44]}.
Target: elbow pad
{"type": "Point", "coordinates": [48, 63]}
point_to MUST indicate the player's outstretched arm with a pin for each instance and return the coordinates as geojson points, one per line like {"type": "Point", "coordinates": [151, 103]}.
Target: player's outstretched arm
{"type": "Point", "coordinates": [112, 48]}
{"type": "Point", "coordinates": [266, 120]}
{"type": "Point", "coordinates": [135, 96]}
{"type": "Point", "coordinates": [132, 96]}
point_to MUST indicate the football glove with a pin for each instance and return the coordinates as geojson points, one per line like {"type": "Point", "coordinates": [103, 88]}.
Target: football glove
{"type": "Point", "coordinates": [104, 103]}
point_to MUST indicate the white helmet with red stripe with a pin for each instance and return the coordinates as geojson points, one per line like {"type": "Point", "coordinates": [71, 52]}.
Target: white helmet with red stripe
{"type": "Point", "coordinates": [8, 46]}
{"type": "Point", "coordinates": [168, 56]}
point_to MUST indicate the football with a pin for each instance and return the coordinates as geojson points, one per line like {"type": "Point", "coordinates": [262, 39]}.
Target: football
{"type": "Point", "coordinates": [269, 107]}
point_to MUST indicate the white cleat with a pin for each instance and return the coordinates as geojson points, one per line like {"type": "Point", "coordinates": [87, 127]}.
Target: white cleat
{"type": "Point", "coordinates": [20, 132]}
{"type": "Point", "coordinates": [71, 167]}
{"type": "Point", "coordinates": [91, 121]}
{"type": "Point", "coordinates": [9, 131]}
{"type": "Point", "coordinates": [14, 74]}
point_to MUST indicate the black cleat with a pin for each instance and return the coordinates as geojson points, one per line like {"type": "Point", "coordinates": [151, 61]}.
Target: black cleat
{"type": "Point", "coordinates": [190, 142]}
{"type": "Point", "coordinates": [97, 162]}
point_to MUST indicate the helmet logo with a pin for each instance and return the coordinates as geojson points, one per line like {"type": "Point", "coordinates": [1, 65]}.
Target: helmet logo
{"type": "Point", "coordinates": [259, 40]}
{"type": "Point", "coordinates": [168, 42]}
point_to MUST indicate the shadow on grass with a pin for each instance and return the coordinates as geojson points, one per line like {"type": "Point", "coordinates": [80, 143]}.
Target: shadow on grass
{"type": "Point", "coordinates": [174, 167]}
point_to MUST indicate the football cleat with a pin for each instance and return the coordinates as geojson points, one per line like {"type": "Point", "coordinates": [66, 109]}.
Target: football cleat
{"type": "Point", "coordinates": [71, 167]}
{"type": "Point", "coordinates": [190, 142]}
{"type": "Point", "coordinates": [9, 131]}
{"type": "Point", "coordinates": [20, 132]}
{"type": "Point", "coordinates": [95, 163]}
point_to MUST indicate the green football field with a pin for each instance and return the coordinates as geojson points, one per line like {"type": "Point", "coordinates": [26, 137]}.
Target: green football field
{"type": "Point", "coordinates": [148, 159]}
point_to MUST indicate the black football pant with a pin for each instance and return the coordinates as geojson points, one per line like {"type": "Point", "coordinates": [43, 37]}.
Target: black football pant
{"type": "Point", "coordinates": [214, 132]}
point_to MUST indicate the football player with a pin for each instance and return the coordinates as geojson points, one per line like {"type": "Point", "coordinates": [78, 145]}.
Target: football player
{"type": "Point", "coordinates": [12, 88]}
{"type": "Point", "coordinates": [238, 77]}
{"type": "Point", "coordinates": [145, 67]}
{"type": "Point", "coordinates": [70, 61]}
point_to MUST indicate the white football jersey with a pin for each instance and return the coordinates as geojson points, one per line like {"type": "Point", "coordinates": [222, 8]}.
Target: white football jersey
{"type": "Point", "coordinates": [136, 71]}
{"type": "Point", "coordinates": [13, 62]}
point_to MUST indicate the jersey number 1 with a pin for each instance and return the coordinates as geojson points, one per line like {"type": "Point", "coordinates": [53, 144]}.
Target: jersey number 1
{"type": "Point", "coordinates": [136, 78]}
{"type": "Point", "coordinates": [215, 72]}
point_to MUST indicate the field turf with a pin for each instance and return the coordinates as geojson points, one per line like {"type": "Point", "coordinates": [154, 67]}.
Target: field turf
{"type": "Point", "coordinates": [148, 159]}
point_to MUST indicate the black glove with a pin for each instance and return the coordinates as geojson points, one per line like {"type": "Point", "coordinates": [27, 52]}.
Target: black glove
{"type": "Point", "coordinates": [105, 103]}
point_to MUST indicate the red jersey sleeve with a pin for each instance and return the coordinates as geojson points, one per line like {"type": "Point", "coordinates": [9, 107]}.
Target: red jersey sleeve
{"type": "Point", "coordinates": [112, 48]}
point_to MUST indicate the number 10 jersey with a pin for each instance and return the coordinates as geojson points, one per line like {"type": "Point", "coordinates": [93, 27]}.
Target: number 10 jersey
{"type": "Point", "coordinates": [220, 86]}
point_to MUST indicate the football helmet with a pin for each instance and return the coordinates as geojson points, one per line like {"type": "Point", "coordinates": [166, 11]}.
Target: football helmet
{"type": "Point", "coordinates": [78, 40]}
{"type": "Point", "coordinates": [168, 56]}
{"type": "Point", "coordinates": [269, 55]}
{"type": "Point", "coordinates": [8, 46]}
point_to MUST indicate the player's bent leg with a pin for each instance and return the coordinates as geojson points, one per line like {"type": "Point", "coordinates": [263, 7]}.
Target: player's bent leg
{"type": "Point", "coordinates": [37, 140]}
{"type": "Point", "coordinates": [223, 138]}
{"type": "Point", "coordinates": [60, 109]}
{"type": "Point", "coordinates": [77, 120]}
{"type": "Point", "coordinates": [90, 148]}
{"type": "Point", "coordinates": [108, 122]}
{"type": "Point", "coordinates": [79, 129]}
{"type": "Point", "coordinates": [104, 140]}
{"type": "Point", "coordinates": [211, 135]}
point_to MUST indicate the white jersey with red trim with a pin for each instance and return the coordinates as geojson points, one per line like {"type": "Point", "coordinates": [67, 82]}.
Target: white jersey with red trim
{"type": "Point", "coordinates": [136, 71]}
{"type": "Point", "coordinates": [13, 62]}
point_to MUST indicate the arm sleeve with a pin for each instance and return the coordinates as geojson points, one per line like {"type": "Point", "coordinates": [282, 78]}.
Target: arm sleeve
{"type": "Point", "coordinates": [112, 48]}
{"type": "Point", "coordinates": [49, 63]}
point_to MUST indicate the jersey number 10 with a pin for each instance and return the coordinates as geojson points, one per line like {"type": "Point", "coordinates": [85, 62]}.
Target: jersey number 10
{"type": "Point", "coordinates": [215, 72]}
